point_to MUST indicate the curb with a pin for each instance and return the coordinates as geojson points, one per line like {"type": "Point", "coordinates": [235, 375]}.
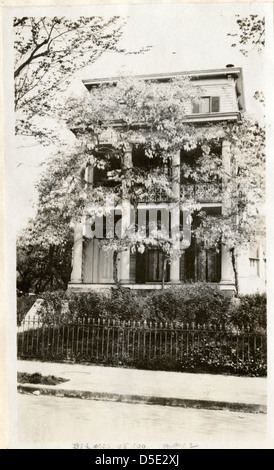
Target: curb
{"type": "Point", "coordinates": [143, 399]}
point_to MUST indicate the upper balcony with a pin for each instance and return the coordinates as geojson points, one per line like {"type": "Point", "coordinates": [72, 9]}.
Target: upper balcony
{"type": "Point", "coordinates": [202, 193]}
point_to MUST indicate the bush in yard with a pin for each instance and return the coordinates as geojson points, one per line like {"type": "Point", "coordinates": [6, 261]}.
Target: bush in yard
{"type": "Point", "coordinates": [52, 308]}
{"type": "Point", "coordinates": [198, 303]}
{"type": "Point", "coordinates": [249, 311]}
{"type": "Point", "coordinates": [24, 304]}
{"type": "Point", "coordinates": [124, 304]}
{"type": "Point", "coordinates": [84, 305]}
{"type": "Point", "coordinates": [121, 304]}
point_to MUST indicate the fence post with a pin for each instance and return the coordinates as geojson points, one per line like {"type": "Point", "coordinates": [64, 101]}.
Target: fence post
{"type": "Point", "coordinates": [133, 338]}
{"type": "Point", "coordinates": [144, 338]}
{"type": "Point", "coordinates": [103, 336]}
{"type": "Point", "coordinates": [187, 340]}
{"type": "Point", "coordinates": [248, 345]}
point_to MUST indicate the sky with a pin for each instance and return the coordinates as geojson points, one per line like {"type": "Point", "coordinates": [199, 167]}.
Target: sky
{"type": "Point", "coordinates": [182, 37]}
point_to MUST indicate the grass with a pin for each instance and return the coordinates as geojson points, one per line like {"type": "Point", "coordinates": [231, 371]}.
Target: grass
{"type": "Point", "coordinates": [37, 378]}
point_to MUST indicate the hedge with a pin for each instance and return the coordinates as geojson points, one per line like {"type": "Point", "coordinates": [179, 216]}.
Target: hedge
{"type": "Point", "coordinates": [198, 303]}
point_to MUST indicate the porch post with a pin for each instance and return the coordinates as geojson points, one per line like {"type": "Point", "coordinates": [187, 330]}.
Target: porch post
{"type": "Point", "coordinates": [125, 255]}
{"type": "Point", "coordinates": [227, 274]}
{"type": "Point", "coordinates": [175, 215]}
{"type": "Point", "coordinates": [80, 270]}
{"type": "Point", "coordinates": [76, 275]}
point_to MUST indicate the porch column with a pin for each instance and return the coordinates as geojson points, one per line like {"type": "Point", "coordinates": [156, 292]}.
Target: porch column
{"type": "Point", "coordinates": [226, 162]}
{"type": "Point", "coordinates": [84, 252]}
{"type": "Point", "coordinates": [227, 274]}
{"type": "Point", "coordinates": [125, 255]}
{"type": "Point", "coordinates": [175, 215]}
{"type": "Point", "coordinates": [76, 275]}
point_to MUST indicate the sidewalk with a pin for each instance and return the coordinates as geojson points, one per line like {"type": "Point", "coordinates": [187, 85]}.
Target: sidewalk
{"type": "Point", "coordinates": [205, 391]}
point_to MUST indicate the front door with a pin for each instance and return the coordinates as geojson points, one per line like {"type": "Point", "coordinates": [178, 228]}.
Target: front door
{"type": "Point", "coordinates": [97, 264]}
{"type": "Point", "coordinates": [149, 266]}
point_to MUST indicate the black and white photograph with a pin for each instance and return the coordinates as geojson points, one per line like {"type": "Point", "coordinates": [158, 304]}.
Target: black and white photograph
{"type": "Point", "coordinates": [137, 189]}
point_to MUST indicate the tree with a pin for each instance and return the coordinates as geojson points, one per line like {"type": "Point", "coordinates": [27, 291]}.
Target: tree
{"type": "Point", "coordinates": [41, 266]}
{"type": "Point", "coordinates": [252, 33]}
{"type": "Point", "coordinates": [48, 51]}
{"type": "Point", "coordinates": [251, 37]}
{"type": "Point", "coordinates": [148, 115]}
{"type": "Point", "coordinates": [242, 222]}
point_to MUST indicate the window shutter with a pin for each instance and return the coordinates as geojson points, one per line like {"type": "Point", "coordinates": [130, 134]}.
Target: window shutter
{"type": "Point", "coordinates": [253, 252]}
{"type": "Point", "coordinates": [132, 267]}
{"type": "Point", "coordinates": [195, 108]}
{"type": "Point", "coordinates": [215, 104]}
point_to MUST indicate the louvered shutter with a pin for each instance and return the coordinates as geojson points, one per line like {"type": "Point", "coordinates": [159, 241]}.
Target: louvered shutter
{"type": "Point", "coordinates": [215, 107]}
{"type": "Point", "coordinates": [195, 108]}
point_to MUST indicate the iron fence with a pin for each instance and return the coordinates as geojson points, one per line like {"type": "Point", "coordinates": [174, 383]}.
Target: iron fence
{"type": "Point", "coordinates": [131, 342]}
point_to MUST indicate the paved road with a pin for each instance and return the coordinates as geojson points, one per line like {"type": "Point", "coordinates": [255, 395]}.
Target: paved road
{"type": "Point", "coordinates": [64, 422]}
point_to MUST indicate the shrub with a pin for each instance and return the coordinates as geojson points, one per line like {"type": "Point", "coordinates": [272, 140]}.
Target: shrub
{"type": "Point", "coordinates": [249, 311]}
{"type": "Point", "coordinates": [198, 303]}
{"type": "Point", "coordinates": [124, 304]}
{"type": "Point", "coordinates": [84, 305]}
{"type": "Point", "coordinates": [60, 306]}
{"type": "Point", "coordinates": [24, 304]}
{"type": "Point", "coordinates": [53, 306]}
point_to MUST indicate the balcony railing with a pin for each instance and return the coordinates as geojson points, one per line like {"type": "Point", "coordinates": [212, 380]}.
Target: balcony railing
{"type": "Point", "coordinates": [206, 192]}
{"type": "Point", "coordinates": [156, 195]}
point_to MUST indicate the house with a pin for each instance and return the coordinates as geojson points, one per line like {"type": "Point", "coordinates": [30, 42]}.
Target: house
{"type": "Point", "coordinates": [222, 100]}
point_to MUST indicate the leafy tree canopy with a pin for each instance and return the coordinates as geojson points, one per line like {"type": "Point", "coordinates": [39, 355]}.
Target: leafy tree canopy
{"type": "Point", "coordinates": [251, 34]}
{"type": "Point", "coordinates": [48, 51]}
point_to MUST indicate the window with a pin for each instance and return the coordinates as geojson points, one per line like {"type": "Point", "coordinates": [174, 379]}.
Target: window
{"type": "Point", "coordinates": [112, 166]}
{"type": "Point", "coordinates": [149, 266]}
{"type": "Point", "coordinates": [208, 104]}
{"type": "Point", "coordinates": [141, 160]}
{"type": "Point", "coordinates": [199, 263]}
{"type": "Point", "coordinates": [254, 261]}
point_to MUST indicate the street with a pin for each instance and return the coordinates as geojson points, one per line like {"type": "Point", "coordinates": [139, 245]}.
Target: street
{"type": "Point", "coordinates": [73, 422]}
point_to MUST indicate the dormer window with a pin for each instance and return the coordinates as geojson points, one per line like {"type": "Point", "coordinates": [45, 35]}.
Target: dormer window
{"type": "Point", "coordinates": [207, 104]}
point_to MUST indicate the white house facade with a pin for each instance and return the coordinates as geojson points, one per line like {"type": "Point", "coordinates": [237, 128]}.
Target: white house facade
{"type": "Point", "coordinates": [92, 267]}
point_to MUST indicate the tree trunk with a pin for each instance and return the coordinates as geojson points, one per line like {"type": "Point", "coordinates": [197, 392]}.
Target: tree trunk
{"type": "Point", "coordinates": [235, 269]}
{"type": "Point", "coordinates": [115, 269]}
{"type": "Point", "coordinates": [164, 263]}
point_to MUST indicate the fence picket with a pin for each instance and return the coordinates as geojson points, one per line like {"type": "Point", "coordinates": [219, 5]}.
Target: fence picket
{"type": "Point", "coordinates": [97, 338]}
{"type": "Point", "coordinates": [83, 335]}
{"type": "Point", "coordinates": [103, 337]}
{"type": "Point", "coordinates": [133, 339]}
{"type": "Point", "coordinates": [108, 328]}
{"type": "Point", "coordinates": [139, 339]}
{"type": "Point", "coordinates": [87, 343]}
